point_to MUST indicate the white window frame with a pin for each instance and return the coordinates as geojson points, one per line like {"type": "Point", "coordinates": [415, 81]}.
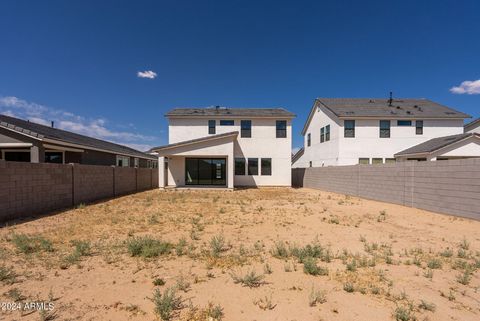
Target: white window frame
{"type": "Point", "coordinates": [136, 162]}
{"type": "Point", "coordinates": [125, 161]}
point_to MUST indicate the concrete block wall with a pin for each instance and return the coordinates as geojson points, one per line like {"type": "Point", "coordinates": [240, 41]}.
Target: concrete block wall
{"type": "Point", "coordinates": [92, 182]}
{"type": "Point", "coordinates": [450, 187]}
{"type": "Point", "coordinates": [28, 189]}
{"type": "Point", "coordinates": [125, 180]}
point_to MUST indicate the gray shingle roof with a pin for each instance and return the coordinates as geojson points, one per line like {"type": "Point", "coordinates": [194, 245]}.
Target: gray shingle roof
{"type": "Point", "coordinates": [192, 141]}
{"type": "Point", "coordinates": [41, 132]}
{"type": "Point", "coordinates": [228, 111]}
{"type": "Point", "coordinates": [435, 144]}
{"type": "Point", "coordinates": [472, 124]}
{"type": "Point", "coordinates": [401, 108]}
{"type": "Point", "coordinates": [379, 107]}
{"type": "Point", "coordinates": [297, 155]}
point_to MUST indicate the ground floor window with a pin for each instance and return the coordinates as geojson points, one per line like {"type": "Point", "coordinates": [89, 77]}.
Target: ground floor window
{"type": "Point", "coordinates": [54, 157]}
{"type": "Point", "coordinates": [205, 171]}
{"type": "Point", "coordinates": [364, 161]}
{"type": "Point", "coordinates": [123, 161]}
{"type": "Point", "coordinates": [239, 166]}
{"type": "Point", "coordinates": [17, 156]}
{"type": "Point", "coordinates": [390, 160]}
{"type": "Point", "coordinates": [266, 166]}
{"type": "Point", "coordinates": [253, 166]}
{"type": "Point", "coordinates": [377, 160]}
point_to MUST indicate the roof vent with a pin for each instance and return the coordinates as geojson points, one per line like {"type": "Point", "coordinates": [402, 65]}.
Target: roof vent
{"type": "Point", "coordinates": [390, 100]}
{"type": "Point", "coordinates": [415, 106]}
{"type": "Point", "coordinates": [450, 113]}
{"type": "Point", "coordinates": [398, 107]}
{"type": "Point", "coordinates": [349, 112]}
{"type": "Point", "coordinates": [371, 101]}
{"type": "Point", "coordinates": [409, 112]}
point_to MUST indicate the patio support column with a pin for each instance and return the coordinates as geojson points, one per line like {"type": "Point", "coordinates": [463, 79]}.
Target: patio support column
{"type": "Point", "coordinates": [37, 153]}
{"type": "Point", "coordinates": [230, 173]}
{"type": "Point", "coordinates": [161, 172]}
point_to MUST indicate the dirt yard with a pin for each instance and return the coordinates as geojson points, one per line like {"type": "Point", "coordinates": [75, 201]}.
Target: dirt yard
{"type": "Point", "coordinates": [266, 254]}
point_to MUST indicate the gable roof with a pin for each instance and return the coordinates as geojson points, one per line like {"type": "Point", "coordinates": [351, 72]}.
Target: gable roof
{"type": "Point", "coordinates": [472, 124]}
{"type": "Point", "coordinates": [194, 141]}
{"type": "Point", "coordinates": [297, 155]}
{"type": "Point", "coordinates": [435, 144]}
{"type": "Point", "coordinates": [228, 111]}
{"type": "Point", "coordinates": [400, 108]}
{"type": "Point", "coordinates": [42, 132]}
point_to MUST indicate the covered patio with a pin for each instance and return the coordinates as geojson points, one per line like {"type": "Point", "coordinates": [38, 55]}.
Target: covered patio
{"type": "Point", "coordinates": [203, 162]}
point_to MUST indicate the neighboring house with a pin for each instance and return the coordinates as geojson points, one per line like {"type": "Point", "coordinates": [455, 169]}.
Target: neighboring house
{"type": "Point", "coordinates": [348, 131]}
{"type": "Point", "coordinates": [24, 141]}
{"type": "Point", "coordinates": [227, 147]}
{"type": "Point", "coordinates": [443, 148]}
{"type": "Point", "coordinates": [473, 126]}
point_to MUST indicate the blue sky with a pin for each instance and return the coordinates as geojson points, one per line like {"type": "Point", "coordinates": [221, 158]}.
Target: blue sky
{"type": "Point", "coordinates": [77, 62]}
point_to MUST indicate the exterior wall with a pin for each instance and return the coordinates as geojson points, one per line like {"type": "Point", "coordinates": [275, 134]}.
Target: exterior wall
{"type": "Point", "coordinates": [321, 154]}
{"type": "Point", "coordinates": [463, 149]}
{"type": "Point", "coordinates": [367, 142]}
{"type": "Point", "coordinates": [28, 189]}
{"type": "Point", "coordinates": [262, 144]}
{"type": "Point", "coordinates": [450, 186]}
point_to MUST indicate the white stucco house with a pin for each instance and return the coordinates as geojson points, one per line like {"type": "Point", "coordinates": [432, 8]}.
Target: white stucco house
{"type": "Point", "coordinates": [226, 147]}
{"type": "Point", "coordinates": [349, 131]}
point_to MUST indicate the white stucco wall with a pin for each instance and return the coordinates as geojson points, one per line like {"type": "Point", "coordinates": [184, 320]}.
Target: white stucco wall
{"type": "Point", "coordinates": [262, 144]}
{"type": "Point", "coordinates": [474, 129]}
{"type": "Point", "coordinates": [367, 142]}
{"type": "Point", "coordinates": [467, 148]}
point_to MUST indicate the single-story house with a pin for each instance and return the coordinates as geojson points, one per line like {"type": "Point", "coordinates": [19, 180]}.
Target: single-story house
{"type": "Point", "coordinates": [25, 141]}
{"type": "Point", "coordinates": [443, 148]}
{"type": "Point", "coordinates": [473, 126]}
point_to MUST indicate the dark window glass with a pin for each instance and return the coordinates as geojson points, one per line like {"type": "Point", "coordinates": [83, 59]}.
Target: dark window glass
{"type": "Point", "coordinates": [384, 129]}
{"type": "Point", "coordinates": [211, 127]}
{"type": "Point", "coordinates": [404, 123]}
{"type": "Point", "coordinates": [54, 157]}
{"type": "Point", "coordinates": [310, 163]}
{"type": "Point", "coordinates": [377, 160]}
{"type": "Point", "coordinates": [365, 161]}
{"type": "Point", "coordinates": [266, 166]}
{"type": "Point", "coordinates": [419, 127]}
{"type": "Point", "coordinates": [281, 128]}
{"type": "Point", "coordinates": [227, 122]}
{"type": "Point", "coordinates": [253, 166]}
{"type": "Point", "coordinates": [349, 130]}
{"type": "Point", "coordinates": [309, 139]}
{"type": "Point", "coordinates": [327, 133]}
{"type": "Point", "coordinates": [239, 166]}
{"type": "Point", "coordinates": [17, 156]}
{"type": "Point", "coordinates": [246, 128]}
{"type": "Point", "coordinates": [322, 134]}
{"type": "Point", "coordinates": [205, 171]}
{"type": "Point", "coordinates": [389, 160]}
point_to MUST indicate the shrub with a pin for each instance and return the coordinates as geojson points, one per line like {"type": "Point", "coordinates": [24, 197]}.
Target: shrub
{"type": "Point", "coordinates": [158, 282]}
{"type": "Point", "coordinates": [217, 245]}
{"type": "Point", "coordinates": [280, 250]}
{"type": "Point", "coordinates": [82, 248]}
{"type": "Point", "coordinates": [214, 312]}
{"type": "Point", "coordinates": [348, 287]}
{"type": "Point", "coordinates": [427, 306]}
{"type": "Point", "coordinates": [7, 275]}
{"type": "Point", "coordinates": [31, 244]}
{"type": "Point", "coordinates": [166, 303]}
{"type": "Point", "coordinates": [251, 279]}
{"type": "Point", "coordinates": [404, 314]}
{"type": "Point", "coordinates": [147, 247]}
{"type": "Point", "coordinates": [434, 264]}
{"type": "Point", "coordinates": [316, 296]}
{"type": "Point", "coordinates": [464, 278]}
{"type": "Point", "coordinates": [310, 267]}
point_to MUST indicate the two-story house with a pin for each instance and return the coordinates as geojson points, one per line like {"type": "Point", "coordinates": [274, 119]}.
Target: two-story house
{"type": "Point", "coordinates": [228, 147]}
{"type": "Point", "coordinates": [348, 131]}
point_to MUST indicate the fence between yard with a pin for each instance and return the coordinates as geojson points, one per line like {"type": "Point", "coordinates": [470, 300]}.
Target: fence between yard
{"type": "Point", "coordinates": [450, 186]}
{"type": "Point", "coordinates": [36, 188]}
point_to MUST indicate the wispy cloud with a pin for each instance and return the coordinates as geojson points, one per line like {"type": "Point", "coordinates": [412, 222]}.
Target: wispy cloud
{"type": "Point", "coordinates": [98, 128]}
{"type": "Point", "coordinates": [147, 74]}
{"type": "Point", "coordinates": [467, 87]}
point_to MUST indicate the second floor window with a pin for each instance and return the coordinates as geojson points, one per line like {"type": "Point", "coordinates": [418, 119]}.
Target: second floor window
{"type": "Point", "coordinates": [281, 128]}
{"type": "Point", "coordinates": [349, 128]}
{"type": "Point", "coordinates": [246, 128]}
{"type": "Point", "coordinates": [419, 127]}
{"type": "Point", "coordinates": [227, 122]}
{"type": "Point", "coordinates": [384, 129]}
{"type": "Point", "coordinates": [322, 134]}
{"type": "Point", "coordinates": [211, 126]}
{"type": "Point", "coordinates": [309, 140]}
{"type": "Point", "coordinates": [327, 133]}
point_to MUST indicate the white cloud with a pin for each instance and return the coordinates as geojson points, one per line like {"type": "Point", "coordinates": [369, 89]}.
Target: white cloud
{"type": "Point", "coordinates": [147, 74]}
{"type": "Point", "coordinates": [467, 87]}
{"type": "Point", "coordinates": [98, 128]}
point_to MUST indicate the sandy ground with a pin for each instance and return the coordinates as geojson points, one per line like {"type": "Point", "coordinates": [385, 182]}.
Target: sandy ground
{"type": "Point", "coordinates": [379, 261]}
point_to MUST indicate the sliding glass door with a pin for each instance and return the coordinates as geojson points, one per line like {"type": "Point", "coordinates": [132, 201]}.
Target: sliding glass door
{"type": "Point", "coordinates": [205, 171]}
